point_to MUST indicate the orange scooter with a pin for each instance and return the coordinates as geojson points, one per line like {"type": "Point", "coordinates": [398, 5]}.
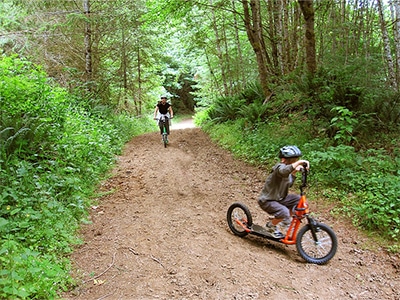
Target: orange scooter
{"type": "Point", "coordinates": [315, 242]}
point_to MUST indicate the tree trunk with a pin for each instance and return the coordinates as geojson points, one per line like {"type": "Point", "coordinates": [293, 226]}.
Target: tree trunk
{"type": "Point", "coordinates": [220, 54]}
{"type": "Point", "coordinates": [88, 43]}
{"type": "Point", "coordinates": [308, 13]}
{"type": "Point", "coordinates": [344, 29]}
{"type": "Point", "coordinates": [286, 39]}
{"type": "Point", "coordinates": [295, 40]}
{"type": "Point", "coordinates": [228, 67]}
{"type": "Point", "coordinates": [124, 62]}
{"type": "Point", "coordinates": [396, 33]}
{"type": "Point", "coordinates": [255, 35]}
{"type": "Point", "coordinates": [369, 28]}
{"type": "Point", "coordinates": [240, 62]}
{"type": "Point", "coordinates": [273, 35]}
{"type": "Point", "coordinates": [386, 47]}
{"type": "Point", "coordinates": [124, 69]}
{"type": "Point", "coordinates": [278, 8]}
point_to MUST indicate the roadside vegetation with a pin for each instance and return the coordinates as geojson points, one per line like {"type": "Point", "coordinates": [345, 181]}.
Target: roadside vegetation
{"type": "Point", "coordinates": [349, 132]}
{"type": "Point", "coordinates": [54, 150]}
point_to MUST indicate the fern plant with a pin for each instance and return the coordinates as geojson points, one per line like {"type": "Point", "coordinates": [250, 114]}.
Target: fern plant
{"type": "Point", "coordinates": [225, 109]}
{"type": "Point", "coordinates": [254, 112]}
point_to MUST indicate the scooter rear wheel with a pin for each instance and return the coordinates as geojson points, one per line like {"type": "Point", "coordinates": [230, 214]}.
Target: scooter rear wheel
{"type": "Point", "coordinates": [318, 251]}
{"type": "Point", "coordinates": [239, 214]}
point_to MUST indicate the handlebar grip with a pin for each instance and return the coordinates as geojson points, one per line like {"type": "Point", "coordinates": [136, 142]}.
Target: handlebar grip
{"type": "Point", "coordinates": [304, 176]}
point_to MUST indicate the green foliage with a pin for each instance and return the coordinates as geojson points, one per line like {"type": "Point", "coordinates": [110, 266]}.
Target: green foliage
{"type": "Point", "coordinates": [225, 109]}
{"type": "Point", "coordinates": [364, 184]}
{"type": "Point", "coordinates": [29, 121]}
{"type": "Point", "coordinates": [254, 112]}
{"type": "Point", "coordinates": [371, 177]}
{"type": "Point", "coordinates": [253, 93]}
{"type": "Point", "coordinates": [343, 124]}
{"type": "Point", "coordinates": [383, 107]}
{"type": "Point", "coordinates": [201, 118]}
{"type": "Point", "coordinates": [248, 106]}
{"type": "Point", "coordinates": [26, 273]}
{"type": "Point", "coordinates": [259, 143]}
{"type": "Point", "coordinates": [54, 152]}
{"type": "Point", "coordinates": [351, 98]}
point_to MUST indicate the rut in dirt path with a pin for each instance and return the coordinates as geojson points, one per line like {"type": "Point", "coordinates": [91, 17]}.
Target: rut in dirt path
{"type": "Point", "coordinates": [160, 232]}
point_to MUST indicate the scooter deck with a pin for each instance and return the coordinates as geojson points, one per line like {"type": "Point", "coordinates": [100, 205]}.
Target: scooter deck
{"type": "Point", "coordinates": [262, 231]}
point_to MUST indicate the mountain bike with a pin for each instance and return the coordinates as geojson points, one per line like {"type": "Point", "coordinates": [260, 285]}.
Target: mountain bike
{"type": "Point", "coordinates": [315, 242]}
{"type": "Point", "coordinates": [162, 123]}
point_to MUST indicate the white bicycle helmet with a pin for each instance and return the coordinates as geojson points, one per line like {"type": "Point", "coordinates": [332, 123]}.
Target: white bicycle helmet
{"type": "Point", "coordinates": [289, 152]}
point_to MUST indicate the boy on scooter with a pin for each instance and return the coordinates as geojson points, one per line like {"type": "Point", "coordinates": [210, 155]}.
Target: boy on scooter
{"type": "Point", "coordinates": [275, 198]}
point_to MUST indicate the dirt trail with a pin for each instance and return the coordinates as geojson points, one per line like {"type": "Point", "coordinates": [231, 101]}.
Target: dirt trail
{"type": "Point", "coordinates": [161, 233]}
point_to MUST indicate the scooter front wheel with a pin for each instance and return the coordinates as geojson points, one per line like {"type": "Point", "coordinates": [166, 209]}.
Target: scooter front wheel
{"type": "Point", "coordinates": [239, 218]}
{"type": "Point", "coordinates": [319, 249]}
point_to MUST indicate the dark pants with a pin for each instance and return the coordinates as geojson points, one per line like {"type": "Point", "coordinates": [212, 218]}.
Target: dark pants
{"type": "Point", "coordinates": [281, 209]}
{"type": "Point", "coordinates": [162, 123]}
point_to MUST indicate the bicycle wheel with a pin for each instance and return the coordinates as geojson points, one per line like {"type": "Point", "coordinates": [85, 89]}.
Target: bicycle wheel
{"type": "Point", "coordinates": [318, 251]}
{"type": "Point", "coordinates": [164, 134]}
{"type": "Point", "coordinates": [237, 215]}
{"type": "Point", "coordinates": [165, 140]}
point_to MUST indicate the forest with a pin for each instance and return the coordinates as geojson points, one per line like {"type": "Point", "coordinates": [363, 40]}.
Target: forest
{"type": "Point", "coordinates": [80, 78]}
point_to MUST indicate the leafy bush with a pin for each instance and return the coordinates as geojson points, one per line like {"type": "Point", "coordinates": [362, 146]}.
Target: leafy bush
{"type": "Point", "coordinates": [27, 121]}
{"type": "Point", "coordinates": [352, 88]}
{"type": "Point", "coordinates": [54, 151]}
{"type": "Point", "coordinates": [249, 106]}
{"type": "Point", "coordinates": [201, 117]}
{"type": "Point", "coordinates": [253, 93]}
{"type": "Point", "coordinates": [347, 125]}
{"type": "Point", "coordinates": [343, 124]}
{"type": "Point", "coordinates": [225, 109]}
{"type": "Point", "coordinates": [254, 112]}
{"type": "Point", "coordinates": [364, 183]}
{"type": "Point", "coordinates": [383, 110]}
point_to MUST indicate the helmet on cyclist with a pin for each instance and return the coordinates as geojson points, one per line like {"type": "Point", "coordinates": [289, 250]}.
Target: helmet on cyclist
{"type": "Point", "coordinates": [163, 97]}
{"type": "Point", "coordinates": [289, 152]}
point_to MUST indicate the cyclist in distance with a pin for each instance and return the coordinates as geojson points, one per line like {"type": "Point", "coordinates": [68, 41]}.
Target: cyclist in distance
{"type": "Point", "coordinates": [163, 108]}
{"type": "Point", "coordinates": [275, 198]}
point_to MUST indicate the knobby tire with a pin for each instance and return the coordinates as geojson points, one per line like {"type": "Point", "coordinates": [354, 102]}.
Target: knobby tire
{"type": "Point", "coordinates": [165, 140]}
{"type": "Point", "coordinates": [320, 251]}
{"type": "Point", "coordinates": [239, 211]}
{"type": "Point", "coordinates": [165, 136]}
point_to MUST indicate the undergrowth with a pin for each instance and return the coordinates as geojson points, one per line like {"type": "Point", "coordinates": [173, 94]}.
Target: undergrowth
{"type": "Point", "coordinates": [364, 184]}
{"type": "Point", "coordinates": [361, 177]}
{"type": "Point", "coordinates": [53, 153]}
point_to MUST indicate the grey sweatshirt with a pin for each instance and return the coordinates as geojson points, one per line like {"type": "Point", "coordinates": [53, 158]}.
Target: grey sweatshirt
{"type": "Point", "coordinates": [277, 184]}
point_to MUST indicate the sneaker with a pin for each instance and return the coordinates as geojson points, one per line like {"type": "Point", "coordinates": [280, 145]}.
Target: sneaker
{"type": "Point", "coordinates": [284, 227]}
{"type": "Point", "coordinates": [273, 230]}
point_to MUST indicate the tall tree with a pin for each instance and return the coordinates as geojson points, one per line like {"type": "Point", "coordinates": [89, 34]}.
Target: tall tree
{"type": "Point", "coordinates": [387, 50]}
{"type": "Point", "coordinates": [218, 45]}
{"type": "Point", "coordinates": [395, 9]}
{"type": "Point", "coordinates": [88, 42]}
{"type": "Point", "coordinates": [241, 76]}
{"type": "Point", "coordinates": [254, 29]}
{"type": "Point", "coordinates": [308, 13]}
